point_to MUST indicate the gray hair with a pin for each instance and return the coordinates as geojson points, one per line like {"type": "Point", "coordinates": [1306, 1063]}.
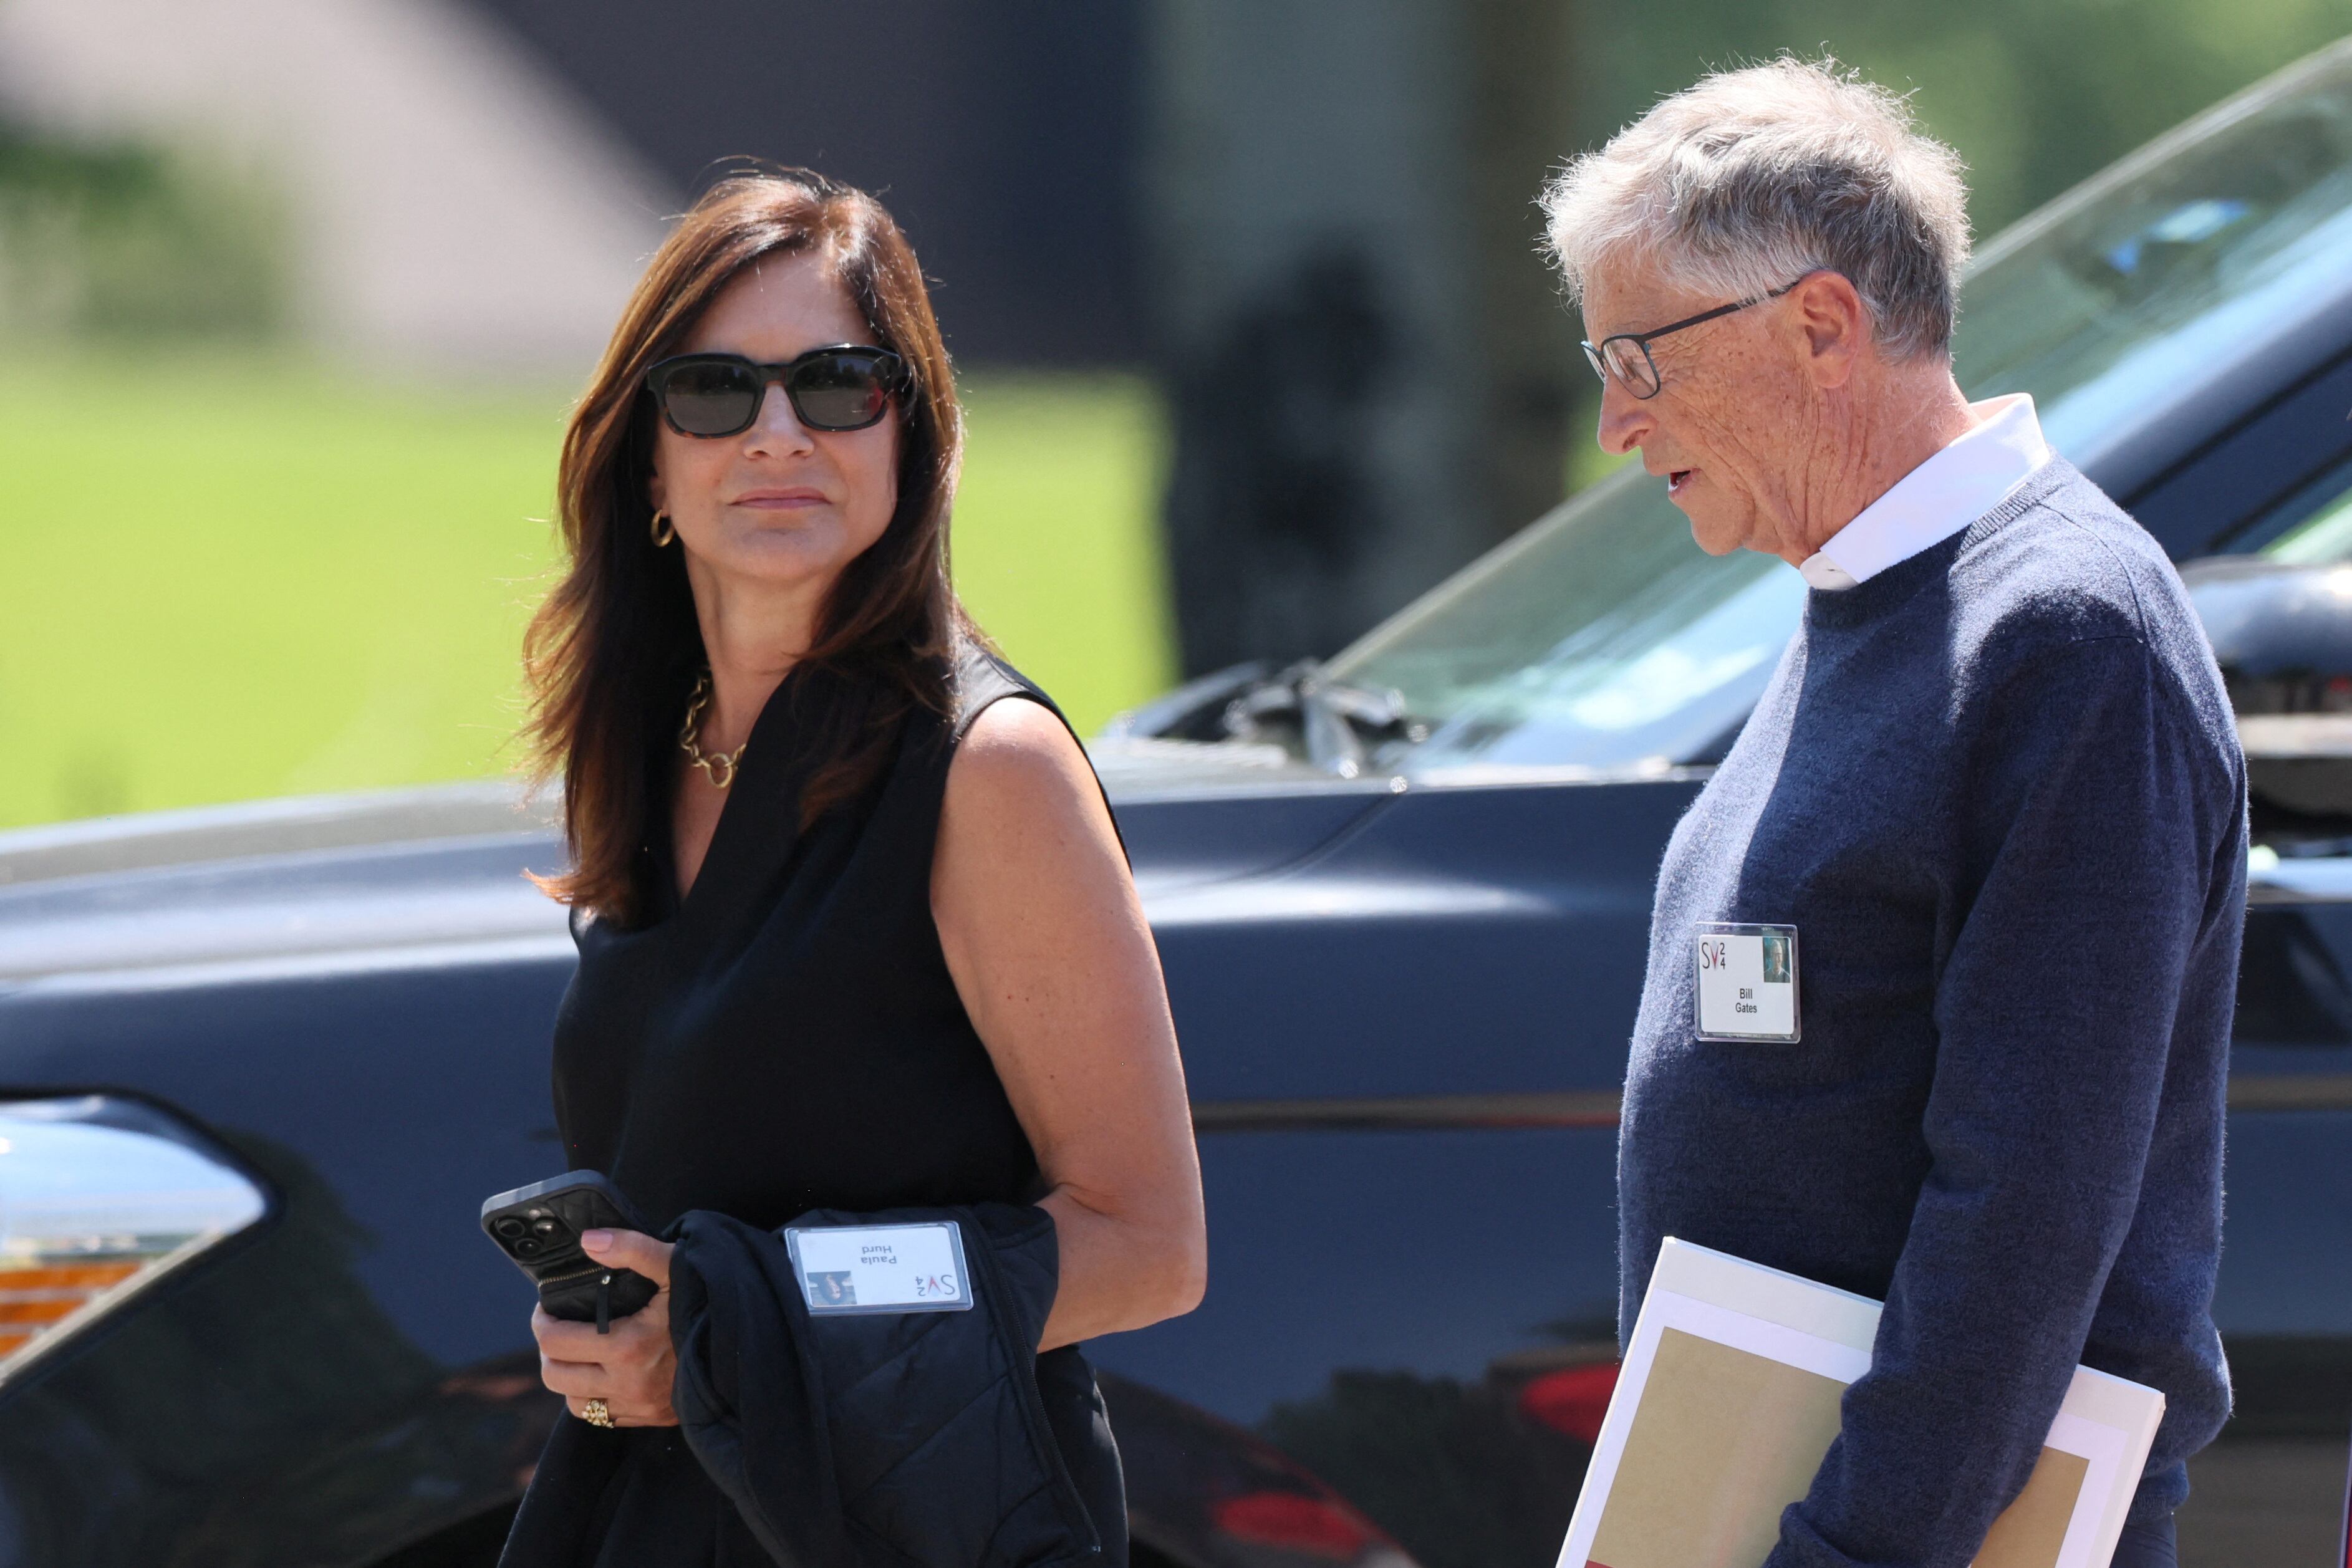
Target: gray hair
{"type": "Point", "coordinates": [1751, 178]}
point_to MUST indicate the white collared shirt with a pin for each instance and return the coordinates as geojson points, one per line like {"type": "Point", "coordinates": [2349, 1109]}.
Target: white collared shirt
{"type": "Point", "coordinates": [1938, 498]}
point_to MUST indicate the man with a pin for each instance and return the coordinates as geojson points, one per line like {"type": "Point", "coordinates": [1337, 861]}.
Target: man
{"type": "Point", "coordinates": [1995, 789]}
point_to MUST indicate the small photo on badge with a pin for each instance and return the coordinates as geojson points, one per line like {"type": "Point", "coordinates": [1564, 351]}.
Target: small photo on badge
{"type": "Point", "coordinates": [832, 1290]}
{"type": "Point", "coordinates": [1776, 958]}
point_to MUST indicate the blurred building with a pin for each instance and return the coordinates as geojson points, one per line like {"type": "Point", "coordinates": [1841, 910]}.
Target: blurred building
{"type": "Point", "coordinates": [451, 202]}
{"type": "Point", "coordinates": [1312, 219]}
{"type": "Point", "coordinates": [475, 184]}
{"type": "Point", "coordinates": [1007, 139]}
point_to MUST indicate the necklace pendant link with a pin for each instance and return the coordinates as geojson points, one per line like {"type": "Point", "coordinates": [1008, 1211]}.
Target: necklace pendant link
{"type": "Point", "coordinates": [719, 770]}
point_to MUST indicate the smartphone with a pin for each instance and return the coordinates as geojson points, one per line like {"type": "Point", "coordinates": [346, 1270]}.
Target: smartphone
{"type": "Point", "coordinates": [539, 1227]}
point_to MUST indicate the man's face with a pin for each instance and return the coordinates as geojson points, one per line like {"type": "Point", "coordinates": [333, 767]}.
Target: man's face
{"type": "Point", "coordinates": [1730, 427]}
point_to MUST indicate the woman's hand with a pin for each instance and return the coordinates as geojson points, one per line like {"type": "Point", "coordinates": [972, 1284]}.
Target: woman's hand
{"type": "Point", "coordinates": [630, 1368]}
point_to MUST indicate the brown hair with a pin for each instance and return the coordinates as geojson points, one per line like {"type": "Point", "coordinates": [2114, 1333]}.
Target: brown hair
{"type": "Point", "coordinates": [613, 655]}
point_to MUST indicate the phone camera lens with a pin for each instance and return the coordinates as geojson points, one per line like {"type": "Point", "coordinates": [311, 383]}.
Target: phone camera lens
{"type": "Point", "coordinates": [548, 1227]}
{"type": "Point", "coordinates": [528, 1247]}
{"type": "Point", "coordinates": [511, 1227]}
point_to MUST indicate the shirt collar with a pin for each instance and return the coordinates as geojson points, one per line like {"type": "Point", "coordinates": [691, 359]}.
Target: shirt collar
{"type": "Point", "coordinates": [1938, 498]}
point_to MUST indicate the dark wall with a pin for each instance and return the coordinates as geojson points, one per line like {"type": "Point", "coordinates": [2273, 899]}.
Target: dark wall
{"type": "Point", "coordinates": [1004, 138]}
{"type": "Point", "coordinates": [1364, 350]}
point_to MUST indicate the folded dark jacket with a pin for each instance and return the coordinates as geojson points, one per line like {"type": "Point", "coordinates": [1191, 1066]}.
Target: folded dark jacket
{"type": "Point", "coordinates": [885, 1439]}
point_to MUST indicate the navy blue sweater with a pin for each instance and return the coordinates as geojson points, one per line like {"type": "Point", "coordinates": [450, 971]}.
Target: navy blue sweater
{"type": "Point", "coordinates": [1998, 791]}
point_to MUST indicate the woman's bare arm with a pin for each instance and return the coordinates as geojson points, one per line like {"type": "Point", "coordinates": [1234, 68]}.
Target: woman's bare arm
{"type": "Point", "coordinates": [1046, 941]}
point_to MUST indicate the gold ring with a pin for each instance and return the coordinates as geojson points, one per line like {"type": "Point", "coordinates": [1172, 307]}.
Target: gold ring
{"type": "Point", "coordinates": [596, 1413]}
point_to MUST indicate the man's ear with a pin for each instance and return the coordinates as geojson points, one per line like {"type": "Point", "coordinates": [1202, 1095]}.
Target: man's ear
{"type": "Point", "coordinates": [1829, 312]}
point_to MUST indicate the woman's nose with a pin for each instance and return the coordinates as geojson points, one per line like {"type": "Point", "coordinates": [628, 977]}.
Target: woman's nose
{"type": "Point", "coordinates": [778, 428]}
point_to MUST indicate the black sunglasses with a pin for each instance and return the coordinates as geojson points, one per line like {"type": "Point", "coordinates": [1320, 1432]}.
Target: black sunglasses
{"type": "Point", "coordinates": [845, 387]}
{"type": "Point", "coordinates": [1626, 355]}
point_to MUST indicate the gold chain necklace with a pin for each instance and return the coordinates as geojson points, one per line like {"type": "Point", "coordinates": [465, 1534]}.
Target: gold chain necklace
{"type": "Point", "coordinates": [719, 770]}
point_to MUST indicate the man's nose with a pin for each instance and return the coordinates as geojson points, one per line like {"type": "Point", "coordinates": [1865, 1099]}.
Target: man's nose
{"type": "Point", "coordinates": [1625, 419]}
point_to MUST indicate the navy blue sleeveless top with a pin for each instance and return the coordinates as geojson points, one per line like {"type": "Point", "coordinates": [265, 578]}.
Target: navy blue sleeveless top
{"type": "Point", "coordinates": [786, 1037]}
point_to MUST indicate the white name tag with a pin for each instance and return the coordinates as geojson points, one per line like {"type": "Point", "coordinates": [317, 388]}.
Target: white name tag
{"type": "Point", "coordinates": [1746, 983]}
{"type": "Point", "coordinates": [881, 1267]}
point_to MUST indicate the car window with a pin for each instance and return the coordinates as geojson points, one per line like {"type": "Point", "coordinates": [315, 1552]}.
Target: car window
{"type": "Point", "coordinates": [2324, 538]}
{"type": "Point", "coordinates": [1601, 637]}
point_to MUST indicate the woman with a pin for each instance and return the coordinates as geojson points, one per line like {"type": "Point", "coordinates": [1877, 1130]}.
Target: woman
{"type": "Point", "coordinates": [853, 933]}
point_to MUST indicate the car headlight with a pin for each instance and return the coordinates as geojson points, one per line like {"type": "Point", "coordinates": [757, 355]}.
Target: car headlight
{"type": "Point", "coordinates": [100, 1197]}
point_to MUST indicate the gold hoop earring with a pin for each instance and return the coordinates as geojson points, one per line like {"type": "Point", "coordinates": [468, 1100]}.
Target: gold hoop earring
{"type": "Point", "coordinates": [662, 530]}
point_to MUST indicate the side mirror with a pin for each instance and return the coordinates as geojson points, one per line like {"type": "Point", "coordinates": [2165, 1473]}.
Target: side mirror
{"type": "Point", "coordinates": [2282, 636]}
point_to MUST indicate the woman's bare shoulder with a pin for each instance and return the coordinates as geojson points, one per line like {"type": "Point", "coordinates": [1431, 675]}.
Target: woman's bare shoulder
{"type": "Point", "coordinates": [1015, 741]}
{"type": "Point", "coordinates": [1019, 764]}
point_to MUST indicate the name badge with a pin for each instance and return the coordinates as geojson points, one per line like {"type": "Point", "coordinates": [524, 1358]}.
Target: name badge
{"type": "Point", "coordinates": [1747, 983]}
{"type": "Point", "coordinates": [881, 1267]}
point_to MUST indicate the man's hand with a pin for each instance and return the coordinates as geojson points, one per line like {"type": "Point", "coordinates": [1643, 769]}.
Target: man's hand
{"type": "Point", "coordinates": [630, 1368]}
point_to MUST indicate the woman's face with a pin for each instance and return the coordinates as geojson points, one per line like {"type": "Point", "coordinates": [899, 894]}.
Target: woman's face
{"type": "Point", "coordinates": [779, 504]}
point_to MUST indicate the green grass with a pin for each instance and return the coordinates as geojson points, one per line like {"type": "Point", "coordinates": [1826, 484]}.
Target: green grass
{"type": "Point", "coordinates": [230, 578]}
{"type": "Point", "coordinates": [1056, 537]}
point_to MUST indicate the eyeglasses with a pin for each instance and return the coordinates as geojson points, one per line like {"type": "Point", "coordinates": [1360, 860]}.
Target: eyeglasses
{"type": "Point", "coordinates": [1626, 355]}
{"type": "Point", "coordinates": [846, 387]}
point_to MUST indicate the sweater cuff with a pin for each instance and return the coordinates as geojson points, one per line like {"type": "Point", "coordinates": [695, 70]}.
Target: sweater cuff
{"type": "Point", "coordinates": [1801, 1546]}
